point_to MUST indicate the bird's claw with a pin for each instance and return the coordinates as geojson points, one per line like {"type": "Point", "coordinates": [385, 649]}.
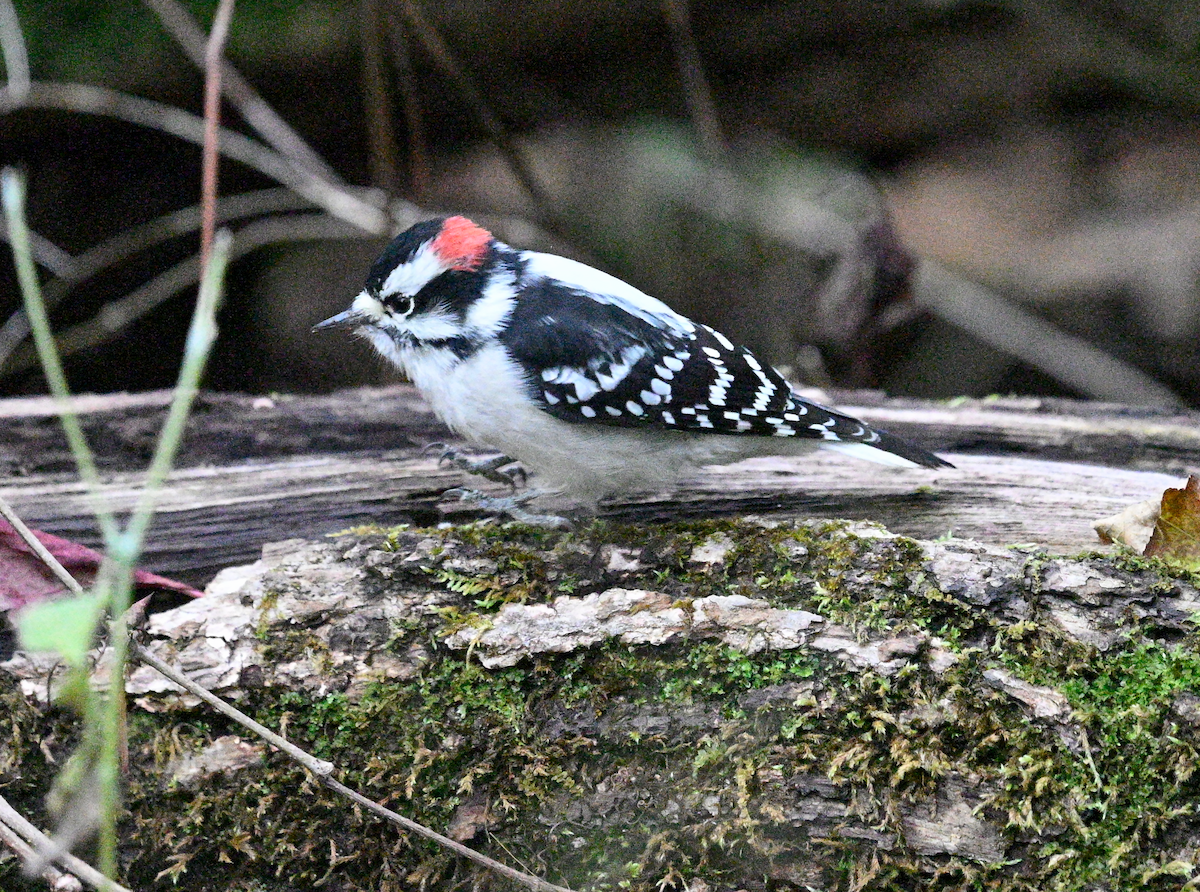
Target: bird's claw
{"type": "Point", "coordinates": [511, 506]}
{"type": "Point", "coordinates": [488, 468]}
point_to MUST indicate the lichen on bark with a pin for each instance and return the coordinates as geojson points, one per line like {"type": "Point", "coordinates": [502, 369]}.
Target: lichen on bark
{"type": "Point", "coordinates": [732, 704]}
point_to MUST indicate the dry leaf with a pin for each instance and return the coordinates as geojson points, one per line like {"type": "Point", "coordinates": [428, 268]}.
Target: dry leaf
{"type": "Point", "coordinates": [1176, 536]}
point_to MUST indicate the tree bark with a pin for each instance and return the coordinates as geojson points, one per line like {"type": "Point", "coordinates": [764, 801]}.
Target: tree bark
{"type": "Point", "coordinates": [258, 469]}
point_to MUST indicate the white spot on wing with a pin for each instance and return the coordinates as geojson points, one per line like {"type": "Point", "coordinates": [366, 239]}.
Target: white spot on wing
{"type": "Point", "coordinates": [621, 368]}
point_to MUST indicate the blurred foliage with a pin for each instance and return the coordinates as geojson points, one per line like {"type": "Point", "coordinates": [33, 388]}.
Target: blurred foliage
{"type": "Point", "coordinates": [94, 42]}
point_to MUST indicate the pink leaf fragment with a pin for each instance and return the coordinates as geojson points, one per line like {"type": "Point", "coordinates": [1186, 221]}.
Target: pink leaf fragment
{"type": "Point", "coordinates": [25, 580]}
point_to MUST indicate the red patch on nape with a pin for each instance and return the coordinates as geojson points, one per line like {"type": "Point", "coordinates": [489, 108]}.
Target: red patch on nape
{"type": "Point", "coordinates": [461, 244]}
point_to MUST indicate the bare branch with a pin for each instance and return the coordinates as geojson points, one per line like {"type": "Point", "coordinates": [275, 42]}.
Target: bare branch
{"type": "Point", "coordinates": [86, 99]}
{"type": "Point", "coordinates": [258, 114]}
{"type": "Point", "coordinates": [418, 154]}
{"type": "Point", "coordinates": [696, 90]}
{"type": "Point", "coordinates": [59, 881]}
{"type": "Point", "coordinates": [118, 314]}
{"type": "Point", "coordinates": [45, 252]}
{"type": "Point", "coordinates": [12, 45]}
{"type": "Point", "coordinates": [432, 41]}
{"type": "Point", "coordinates": [138, 238]}
{"type": "Point", "coordinates": [1005, 325]}
{"type": "Point", "coordinates": [40, 842]}
{"type": "Point", "coordinates": [381, 131]}
{"type": "Point", "coordinates": [36, 546]}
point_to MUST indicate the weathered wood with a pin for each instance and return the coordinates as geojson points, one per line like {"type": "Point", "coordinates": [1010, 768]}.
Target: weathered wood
{"type": "Point", "coordinates": [258, 469]}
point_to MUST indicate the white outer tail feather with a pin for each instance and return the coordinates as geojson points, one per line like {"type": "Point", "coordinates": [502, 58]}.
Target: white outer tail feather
{"type": "Point", "coordinates": [870, 453]}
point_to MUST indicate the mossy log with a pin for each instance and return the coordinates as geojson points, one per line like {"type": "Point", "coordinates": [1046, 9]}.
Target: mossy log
{"type": "Point", "coordinates": [729, 704]}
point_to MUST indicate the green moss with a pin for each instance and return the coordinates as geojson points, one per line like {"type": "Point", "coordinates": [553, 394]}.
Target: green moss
{"type": "Point", "coordinates": [698, 748]}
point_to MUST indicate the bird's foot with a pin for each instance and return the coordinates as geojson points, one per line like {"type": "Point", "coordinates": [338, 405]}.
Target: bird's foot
{"type": "Point", "coordinates": [489, 468]}
{"type": "Point", "coordinates": [512, 506]}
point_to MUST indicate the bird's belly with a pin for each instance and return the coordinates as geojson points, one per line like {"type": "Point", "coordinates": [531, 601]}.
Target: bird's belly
{"type": "Point", "coordinates": [483, 399]}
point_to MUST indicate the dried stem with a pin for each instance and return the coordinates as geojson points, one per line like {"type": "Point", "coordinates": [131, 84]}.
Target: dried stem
{"type": "Point", "coordinates": [36, 546]}
{"type": "Point", "coordinates": [42, 843]}
{"type": "Point", "coordinates": [696, 91]}
{"type": "Point", "coordinates": [212, 123]}
{"type": "Point", "coordinates": [432, 41]}
{"type": "Point", "coordinates": [118, 314]}
{"type": "Point", "coordinates": [318, 767]}
{"type": "Point", "coordinates": [381, 131]}
{"type": "Point", "coordinates": [324, 771]}
{"type": "Point", "coordinates": [12, 45]}
{"type": "Point", "coordinates": [45, 252]}
{"type": "Point", "coordinates": [418, 153]}
{"type": "Point", "coordinates": [138, 238]}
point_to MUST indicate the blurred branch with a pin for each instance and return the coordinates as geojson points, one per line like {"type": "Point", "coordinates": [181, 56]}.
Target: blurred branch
{"type": "Point", "coordinates": [59, 881]}
{"type": "Point", "coordinates": [138, 238]}
{"type": "Point", "coordinates": [696, 90]}
{"type": "Point", "coordinates": [1006, 326]}
{"type": "Point", "coordinates": [12, 45]}
{"type": "Point", "coordinates": [179, 23]}
{"type": "Point", "coordinates": [212, 126]}
{"type": "Point", "coordinates": [432, 41]}
{"type": "Point", "coordinates": [45, 252]}
{"type": "Point", "coordinates": [86, 99]}
{"type": "Point", "coordinates": [40, 842]}
{"type": "Point", "coordinates": [118, 314]}
{"type": "Point", "coordinates": [418, 155]}
{"type": "Point", "coordinates": [381, 131]}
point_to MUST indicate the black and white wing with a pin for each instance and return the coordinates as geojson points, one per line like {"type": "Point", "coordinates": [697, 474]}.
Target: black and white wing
{"type": "Point", "coordinates": [625, 359]}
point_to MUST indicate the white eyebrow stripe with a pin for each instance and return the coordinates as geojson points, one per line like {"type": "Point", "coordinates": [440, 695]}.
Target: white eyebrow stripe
{"type": "Point", "coordinates": [409, 278]}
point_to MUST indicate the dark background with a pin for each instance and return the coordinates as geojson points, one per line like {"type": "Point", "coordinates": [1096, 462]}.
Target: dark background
{"type": "Point", "coordinates": [1045, 151]}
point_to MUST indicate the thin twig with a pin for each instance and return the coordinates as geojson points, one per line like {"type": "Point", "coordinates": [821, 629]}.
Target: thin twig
{"type": "Point", "coordinates": [381, 131]}
{"type": "Point", "coordinates": [324, 771]}
{"type": "Point", "coordinates": [318, 767]}
{"type": "Point", "coordinates": [696, 90]}
{"type": "Point", "coordinates": [39, 549]}
{"type": "Point", "coordinates": [258, 114]}
{"type": "Point", "coordinates": [42, 843]}
{"type": "Point", "coordinates": [432, 41]}
{"type": "Point", "coordinates": [116, 315]}
{"type": "Point", "coordinates": [1007, 326]}
{"type": "Point", "coordinates": [12, 45]}
{"type": "Point", "coordinates": [45, 252]}
{"type": "Point", "coordinates": [418, 154]}
{"type": "Point", "coordinates": [87, 99]}
{"type": "Point", "coordinates": [59, 881]}
{"type": "Point", "coordinates": [139, 238]}
{"type": "Point", "coordinates": [212, 125]}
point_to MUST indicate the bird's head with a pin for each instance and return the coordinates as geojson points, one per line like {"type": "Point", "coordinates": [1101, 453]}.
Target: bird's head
{"type": "Point", "coordinates": [419, 287]}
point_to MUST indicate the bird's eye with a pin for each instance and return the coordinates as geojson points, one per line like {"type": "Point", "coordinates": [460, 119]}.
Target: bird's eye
{"type": "Point", "coordinates": [400, 305]}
